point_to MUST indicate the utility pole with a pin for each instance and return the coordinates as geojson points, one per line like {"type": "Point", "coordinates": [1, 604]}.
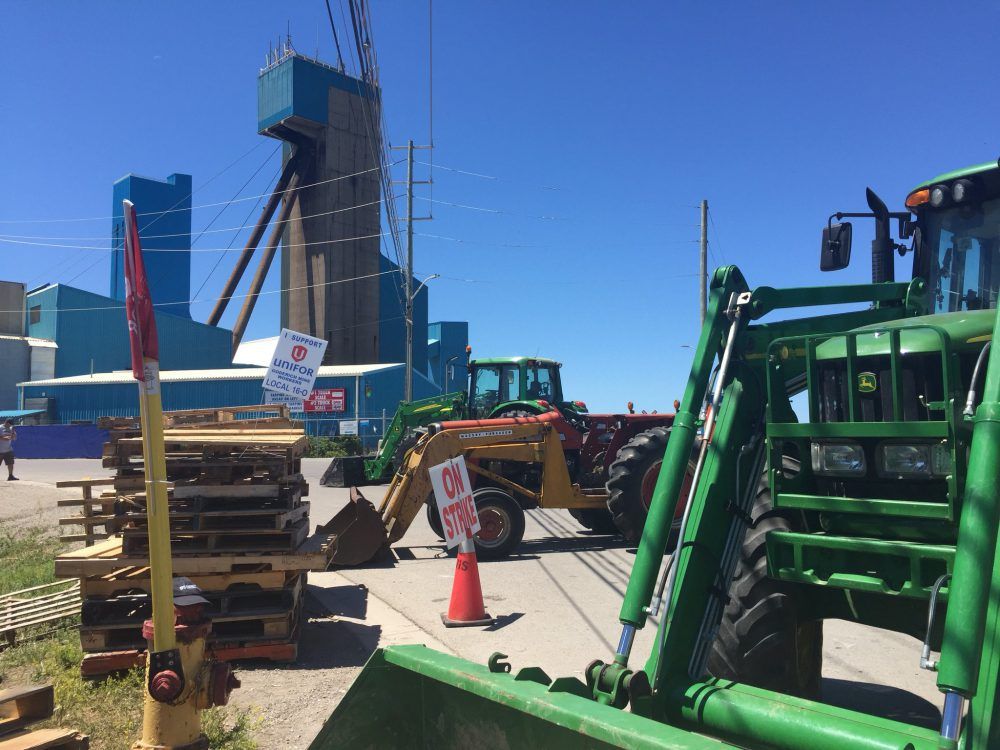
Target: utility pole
{"type": "Point", "coordinates": [411, 294]}
{"type": "Point", "coordinates": [408, 276]}
{"type": "Point", "coordinates": [703, 260]}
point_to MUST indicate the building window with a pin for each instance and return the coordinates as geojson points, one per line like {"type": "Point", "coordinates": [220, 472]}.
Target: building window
{"type": "Point", "coordinates": [35, 314]}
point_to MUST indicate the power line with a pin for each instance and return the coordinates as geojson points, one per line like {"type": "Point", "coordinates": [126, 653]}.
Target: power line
{"type": "Point", "coordinates": [487, 176]}
{"type": "Point", "coordinates": [222, 257]}
{"type": "Point", "coordinates": [489, 210]}
{"type": "Point", "coordinates": [239, 228]}
{"type": "Point", "coordinates": [193, 208]}
{"type": "Point", "coordinates": [202, 301]}
{"type": "Point", "coordinates": [715, 233]}
{"type": "Point", "coordinates": [336, 41]}
{"type": "Point", "coordinates": [190, 250]}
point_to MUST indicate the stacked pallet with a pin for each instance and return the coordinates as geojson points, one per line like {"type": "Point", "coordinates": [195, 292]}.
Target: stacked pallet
{"type": "Point", "coordinates": [238, 524]}
{"type": "Point", "coordinates": [96, 518]}
{"type": "Point", "coordinates": [20, 707]}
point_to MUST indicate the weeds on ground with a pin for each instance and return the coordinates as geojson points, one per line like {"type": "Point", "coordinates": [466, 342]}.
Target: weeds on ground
{"type": "Point", "coordinates": [27, 558]}
{"type": "Point", "coordinates": [110, 709]}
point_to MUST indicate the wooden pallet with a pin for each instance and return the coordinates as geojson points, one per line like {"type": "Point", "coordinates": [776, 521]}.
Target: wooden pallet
{"type": "Point", "coordinates": [27, 609]}
{"type": "Point", "coordinates": [192, 520]}
{"type": "Point", "coordinates": [231, 541]}
{"type": "Point", "coordinates": [107, 558]}
{"type": "Point", "coordinates": [94, 511]}
{"type": "Point", "coordinates": [136, 580]}
{"type": "Point", "coordinates": [22, 706]}
{"type": "Point", "coordinates": [235, 629]}
{"type": "Point", "coordinates": [98, 664]}
{"type": "Point", "coordinates": [240, 600]}
{"type": "Point", "coordinates": [45, 739]}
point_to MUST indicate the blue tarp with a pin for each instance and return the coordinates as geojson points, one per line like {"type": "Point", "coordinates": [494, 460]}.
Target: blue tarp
{"type": "Point", "coordinates": [59, 441]}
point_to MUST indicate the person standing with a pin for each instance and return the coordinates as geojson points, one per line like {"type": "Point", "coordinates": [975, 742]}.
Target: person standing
{"type": "Point", "coordinates": [7, 437]}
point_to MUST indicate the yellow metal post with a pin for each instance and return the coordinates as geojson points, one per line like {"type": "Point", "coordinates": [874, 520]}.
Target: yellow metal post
{"type": "Point", "coordinates": [158, 524]}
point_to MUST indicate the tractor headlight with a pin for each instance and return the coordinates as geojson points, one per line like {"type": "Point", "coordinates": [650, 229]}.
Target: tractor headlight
{"type": "Point", "coordinates": [839, 459]}
{"type": "Point", "coordinates": [904, 460]}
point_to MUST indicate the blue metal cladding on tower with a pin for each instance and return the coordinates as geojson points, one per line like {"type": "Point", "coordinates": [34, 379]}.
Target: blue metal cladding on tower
{"type": "Point", "coordinates": [164, 217]}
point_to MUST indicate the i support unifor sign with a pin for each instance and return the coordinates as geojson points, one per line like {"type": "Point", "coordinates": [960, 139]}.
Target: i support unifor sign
{"type": "Point", "coordinates": [294, 364]}
{"type": "Point", "coordinates": [453, 494]}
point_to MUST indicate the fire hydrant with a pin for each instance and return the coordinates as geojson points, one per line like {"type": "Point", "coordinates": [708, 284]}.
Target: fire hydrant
{"type": "Point", "coordinates": [182, 682]}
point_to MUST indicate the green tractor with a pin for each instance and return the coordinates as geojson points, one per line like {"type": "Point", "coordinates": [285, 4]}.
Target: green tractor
{"type": "Point", "coordinates": [498, 387]}
{"type": "Point", "coordinates": [878, 504]}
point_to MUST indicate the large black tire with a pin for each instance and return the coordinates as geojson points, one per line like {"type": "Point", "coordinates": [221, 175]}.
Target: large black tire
{"type": "Point", "coordinates": [764, 639]}
{"type": "Point", "coordinates": [502, 523]}
{"type": "Point", "coordinates": [631, 478]}
{"type": "Point", "coordinates": [434, 517]}
{"type": "Point", "coordinates": [597, 520]}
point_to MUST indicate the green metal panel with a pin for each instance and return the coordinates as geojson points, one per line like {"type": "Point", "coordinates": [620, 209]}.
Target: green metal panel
{"type": "Point", "coordinates": [873, 565]}
{"type": "Point", "coordinates": [871, 506]}
{"type": "Point", "coordinates": [413, 697]}
{"type": "Point", "coordinates": [988, 166]}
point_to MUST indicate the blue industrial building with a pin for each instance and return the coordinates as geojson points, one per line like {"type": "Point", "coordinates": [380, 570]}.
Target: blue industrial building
{"type": "Point", "coordinates": [91, 334]}
{"type": "Point", "coordinates": [371, 393]}
{"type": "Point", "coordinates": [163, 209]}
{"type": "Point", "coordinates": [447, 354]}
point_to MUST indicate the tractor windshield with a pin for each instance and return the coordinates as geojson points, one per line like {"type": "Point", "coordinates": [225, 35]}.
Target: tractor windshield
{"type": "Point", "coordinates": [542, 384]}
{"type": "Point", "coordinates": [963, 246]}
{"type": "Point", "coordinates": [493, 385]}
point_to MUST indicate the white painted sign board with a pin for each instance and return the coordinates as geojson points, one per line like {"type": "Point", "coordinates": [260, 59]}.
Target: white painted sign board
{"type": "Point", "coordinates": [294, 364]}
{"type": "Point", "coordinates": [453, 494]}
{"type": "Point", "coordinates": [349, 427]}
{"type": "Point", "coordinates": [292, 402]}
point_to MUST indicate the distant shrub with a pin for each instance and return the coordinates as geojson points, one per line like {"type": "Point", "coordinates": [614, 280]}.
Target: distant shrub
{"type": "Point", "coordinates": [334, 447]}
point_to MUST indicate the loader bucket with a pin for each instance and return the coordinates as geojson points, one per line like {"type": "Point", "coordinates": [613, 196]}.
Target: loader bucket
{"type": "Point", "coordinates": [414, 697]}
{"type": "Point", "coordinates": [358, 532]}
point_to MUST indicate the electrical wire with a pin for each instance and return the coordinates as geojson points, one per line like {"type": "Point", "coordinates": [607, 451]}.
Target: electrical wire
{"type": "Point", "coordinates": [193, 249]}
{"type": "Point", "coordinates": [486, 176]}
{"type": "Point", "coordinates": [222, 257]}
{"type": "Point", "coordinates": [241, 227]}
{"type": "Point", "coordinates": [715, 233]}
{"type": "Point", "coordinates": [203, 301]}
{"type": "Point", "coordinates": [193, 208]}
{"type": "Point", "coordinates": [489, 210]}
{"type": "Point", "coordinates": [336, 41]}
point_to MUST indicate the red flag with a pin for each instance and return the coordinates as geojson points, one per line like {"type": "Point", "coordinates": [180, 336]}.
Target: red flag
{"type": "Point", "coordinates": [138, 305]}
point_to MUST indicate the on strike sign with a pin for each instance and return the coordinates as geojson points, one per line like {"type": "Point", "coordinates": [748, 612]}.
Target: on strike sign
{"type": "Point", "coordinates": [453, 494]}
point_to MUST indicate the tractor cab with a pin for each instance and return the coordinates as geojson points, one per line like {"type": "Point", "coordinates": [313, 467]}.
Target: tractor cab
{"type": "Point", "coordinates": [513, 384]}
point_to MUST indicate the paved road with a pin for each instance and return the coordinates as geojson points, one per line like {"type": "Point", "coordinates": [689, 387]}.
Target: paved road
{"type": "Point", "coordinates": [557, 603]}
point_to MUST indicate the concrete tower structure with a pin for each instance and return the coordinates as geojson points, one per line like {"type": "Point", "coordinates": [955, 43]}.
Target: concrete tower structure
{"type": "Point", "coordinates": [164, 218]}
{"type": "Point", "coordinates": [330, 123]}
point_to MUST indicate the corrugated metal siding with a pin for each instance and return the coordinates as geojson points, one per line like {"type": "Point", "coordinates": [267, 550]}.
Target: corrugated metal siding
{"type": "Point", "coordinates": [297, 86]}
{"type": "Point", "coordinates": [11, 308]}
{"type": "Point", "coordinates": [101, 335]}
{"type": "Point", "coordinates": [14, 358]}
{"type": "Point", "coordinates": [169, 272]}
{"type": "Point", "coordinates": [89, 402]}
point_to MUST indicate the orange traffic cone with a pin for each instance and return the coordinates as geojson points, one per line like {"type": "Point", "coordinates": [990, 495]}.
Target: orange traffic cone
{"type": "Point", "coordinates": [466, 607]}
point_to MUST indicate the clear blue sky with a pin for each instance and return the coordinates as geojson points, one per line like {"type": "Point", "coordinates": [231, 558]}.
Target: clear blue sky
{"type": "Point", "coordinates": [615, 118]}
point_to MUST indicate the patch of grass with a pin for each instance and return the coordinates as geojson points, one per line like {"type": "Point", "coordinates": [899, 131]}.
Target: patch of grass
{"type": "Point", "coordinates": [27, 558]}
{"type": "Point", "coordinates": [110, 709]}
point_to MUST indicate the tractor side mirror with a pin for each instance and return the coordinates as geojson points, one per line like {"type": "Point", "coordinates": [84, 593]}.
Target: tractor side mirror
{"type": "Point", "coordinates": [835, 252]}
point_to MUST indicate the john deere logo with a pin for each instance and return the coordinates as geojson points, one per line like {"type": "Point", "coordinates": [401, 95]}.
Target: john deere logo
{"type": "Point", "coordinates": [867, 382]}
